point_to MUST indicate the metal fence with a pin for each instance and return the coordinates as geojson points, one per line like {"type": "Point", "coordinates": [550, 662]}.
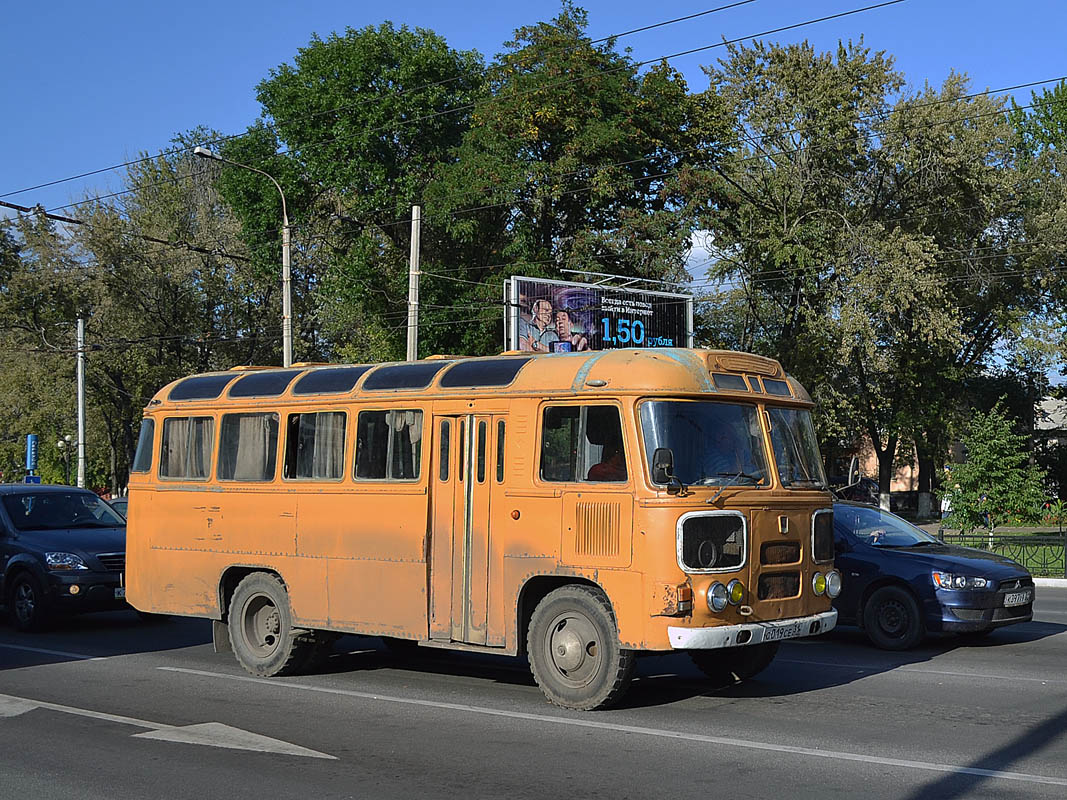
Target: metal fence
{"type": "Point", "coordinates": [1043, 552]}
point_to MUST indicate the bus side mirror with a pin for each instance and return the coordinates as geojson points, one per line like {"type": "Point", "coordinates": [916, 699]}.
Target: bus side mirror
{"type": "Point", "coordinates": [663, 465]}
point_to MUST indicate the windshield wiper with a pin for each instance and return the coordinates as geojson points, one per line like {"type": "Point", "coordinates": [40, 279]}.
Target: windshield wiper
{"type": "Point", "coordinates": [734, 478]}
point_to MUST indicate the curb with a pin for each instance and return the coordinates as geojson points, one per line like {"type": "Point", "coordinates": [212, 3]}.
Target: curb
{"type": "Point", "coordinates": [1059, 583]}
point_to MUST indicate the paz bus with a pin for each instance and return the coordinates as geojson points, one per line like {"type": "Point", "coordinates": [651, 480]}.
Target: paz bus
{"type": "Point", "coordinates": [578, 508]}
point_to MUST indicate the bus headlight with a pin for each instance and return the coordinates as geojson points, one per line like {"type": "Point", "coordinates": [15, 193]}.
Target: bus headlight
{"type": "Point", "coordinates": [818, 583]}
{"type": "Point", "coordinates": [718, 597]}
{"type": "Point", "coordinates": [833, 583]}
{"type": "Point", "coordinates": [735, 592]}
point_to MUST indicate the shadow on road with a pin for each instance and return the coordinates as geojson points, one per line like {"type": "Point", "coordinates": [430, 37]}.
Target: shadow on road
{"type": "Point", "coordinates": [100, 635]}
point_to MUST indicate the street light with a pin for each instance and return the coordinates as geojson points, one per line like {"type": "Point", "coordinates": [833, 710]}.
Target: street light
{"type": "Point", "coordinates": [64, 446]}
{"type": "Point", "coordinates": [287, 307]}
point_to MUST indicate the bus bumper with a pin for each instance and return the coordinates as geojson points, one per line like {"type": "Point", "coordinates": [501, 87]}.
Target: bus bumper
{"type": "Point", "coordinates": [751, 633]}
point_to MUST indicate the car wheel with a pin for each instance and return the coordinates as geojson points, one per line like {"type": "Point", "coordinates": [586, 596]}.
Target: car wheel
{"type": "Point", "coordinates": [574, 650]}
{"type": "Point", "coordinates": [891, 619]}
{"type": "Point", "coordinates": [27, 604]}
{"type": "Point", "coordinates": [261, 628]}
{"type": "Point", "coordinates": [736, 663]}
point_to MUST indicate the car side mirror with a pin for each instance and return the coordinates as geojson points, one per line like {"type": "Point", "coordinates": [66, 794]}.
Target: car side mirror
{"type": "Point", "coordinates": [853, 471]}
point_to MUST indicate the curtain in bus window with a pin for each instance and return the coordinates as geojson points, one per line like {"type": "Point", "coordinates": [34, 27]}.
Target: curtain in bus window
{"type": "Point", "coordinates": [388, 445]}
{"type": "Point", "coordinates": [186, 447]}
{"type": "Point", "coordinates": [200, 448]}
{"type": "Point", "coordinates": [405, 444]}
{"type": "Point", "coordinates": [248, 446]}
{"type": "Point", "coordinates": [321, 445]}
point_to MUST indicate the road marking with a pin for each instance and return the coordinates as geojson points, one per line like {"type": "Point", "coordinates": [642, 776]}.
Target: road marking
{"type": "Point", "coordinates": [889, 669]}
{"type": "Point", "coordinates": [63, 653]}
{"type": "Point", "coordinates": [655, 732]}
{"type": "Point", "coordinates": [211, 734]}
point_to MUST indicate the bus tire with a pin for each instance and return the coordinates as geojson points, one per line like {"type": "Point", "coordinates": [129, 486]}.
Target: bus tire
{"type": "Point", "coordinates": [574, 650]}
{"type": "Point", "coordinates": [735, 663]}
{"type": "Point", "coordinates": [261, 628]}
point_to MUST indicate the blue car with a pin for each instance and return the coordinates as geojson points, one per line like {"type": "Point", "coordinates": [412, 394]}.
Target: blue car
{"type": "Point", "coordinates": [901, 583]}
{"type": "Point", "coordinates": [62, 550]}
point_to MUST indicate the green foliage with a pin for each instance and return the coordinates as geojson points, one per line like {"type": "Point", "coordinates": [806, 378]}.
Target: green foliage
{"type": "Point", "coordinates": [996, 484]}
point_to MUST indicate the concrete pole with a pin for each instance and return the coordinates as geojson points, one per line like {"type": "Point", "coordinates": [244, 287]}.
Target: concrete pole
{"type": "Point", "coordinates": [413, 285]}
{"type": "Point", "coordinates": [287, 296]}
{"type": "Point", "coordinates": [81, 403]}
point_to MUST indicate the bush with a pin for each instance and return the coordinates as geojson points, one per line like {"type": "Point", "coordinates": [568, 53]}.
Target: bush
{"type": "Point", "coordinates": [996, 485]}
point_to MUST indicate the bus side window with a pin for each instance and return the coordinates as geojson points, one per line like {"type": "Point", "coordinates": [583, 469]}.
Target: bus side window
{"type": "Point", "coordinates": [142, 461]}
{"type": "Point", "coordinates": [248, 447]}
{"type": "Point", "coordinates": [389, 445]}
{"type": "Point", "coordinates": [315, 445]}
{"type": "Point", "coordinates": [186, 448]}
{"type": "Point", "coordinates": [582, 443]}
{"type": "Point", "coordinates": [482, 436]}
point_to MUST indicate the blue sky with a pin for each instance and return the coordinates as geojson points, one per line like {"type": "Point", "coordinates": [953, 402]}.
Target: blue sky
{"type": "Point", "coordinates": [89, 84]}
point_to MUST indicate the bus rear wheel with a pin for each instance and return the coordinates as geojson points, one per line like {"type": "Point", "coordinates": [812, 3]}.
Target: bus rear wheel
{"type": "Point", "coordinates": [735, 664]}
{"type": "Point", "coordinates": [261, 628]}
{"type": "Point", "coordinates": [573, 645]}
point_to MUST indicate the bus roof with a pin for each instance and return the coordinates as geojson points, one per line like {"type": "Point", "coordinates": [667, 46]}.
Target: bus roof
{"type": "Point", "coordinates": [660, 371]}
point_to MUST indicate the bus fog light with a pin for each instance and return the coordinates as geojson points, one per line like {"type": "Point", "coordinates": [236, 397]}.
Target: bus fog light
{"type": "Point", "coordinates": [735, 592]}
{"type": "Point", "coordinates": [818, 583]}
{"type": "Point", "coordinates": [718, 597]}
{"type": "Point", "coordinates": [833, 583]}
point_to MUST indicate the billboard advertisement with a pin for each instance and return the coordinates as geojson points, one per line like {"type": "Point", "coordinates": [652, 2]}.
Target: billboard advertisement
{"type": "Point", "coordinates": [547, 316]}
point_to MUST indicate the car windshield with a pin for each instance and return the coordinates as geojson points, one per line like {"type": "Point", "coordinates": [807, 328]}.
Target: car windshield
{"type": "Point", "coordinates": [46, 511]}
{"type": "Point", "coordinates": [713, 443]}
{"type": "Point", "coordinates": [880, 528]}
{"type": "Point", "coordinates": [795, 449]}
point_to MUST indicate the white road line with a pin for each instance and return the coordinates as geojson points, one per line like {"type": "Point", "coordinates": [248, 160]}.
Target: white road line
{"type": "Point", "coordinates": [212, 734]}
{"type": "Point", "coordinates": [890, 669]}
{"type": "Point", "coordinates": [63, 653]}
{"type": "Point", "coordinates": [640, 731]}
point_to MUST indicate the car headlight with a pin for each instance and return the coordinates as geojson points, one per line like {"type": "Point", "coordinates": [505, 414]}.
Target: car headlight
{"type": "Point", "coordinates": [833, 583]}
{"type": "Point", "coordinates": [718, 597]}
{"type": "Point", "coordinates": [818, 583]}
{"type": "Point", "coordinates": [60, 561]}
{"type": "Point", "coordinates": [950, 580]}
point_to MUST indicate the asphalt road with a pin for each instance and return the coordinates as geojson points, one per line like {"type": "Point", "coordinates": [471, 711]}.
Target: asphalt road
{"type": "Point", "coordinates": [106, 706]}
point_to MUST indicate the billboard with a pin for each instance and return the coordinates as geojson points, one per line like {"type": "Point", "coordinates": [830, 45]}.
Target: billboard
{"type": "Point", "coordinates": [547, 316]}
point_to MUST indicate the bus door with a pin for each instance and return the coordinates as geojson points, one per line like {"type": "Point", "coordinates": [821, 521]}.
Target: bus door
{"type": "Point", "coordinates": [464, 463]}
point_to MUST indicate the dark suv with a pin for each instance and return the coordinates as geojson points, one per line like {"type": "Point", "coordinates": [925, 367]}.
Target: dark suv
{"type": "Point", "coordinates": [62, 550]}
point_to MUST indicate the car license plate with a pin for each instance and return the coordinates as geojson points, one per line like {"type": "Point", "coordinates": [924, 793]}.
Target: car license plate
{"type": "Point", "coordinates": [1016, 598]}
{"type": "Point", "coordinates": [120, 593]}
{"type": "Point", "coordinates": [782, 632]}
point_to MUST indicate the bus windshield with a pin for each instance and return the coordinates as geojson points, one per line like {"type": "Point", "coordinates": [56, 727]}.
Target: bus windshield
{"type": "Point", "coordinates": [713, 443]}
{"type": "Point", "coordinates": [795, 449]}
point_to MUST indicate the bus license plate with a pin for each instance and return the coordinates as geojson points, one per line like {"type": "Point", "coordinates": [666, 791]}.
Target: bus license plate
{"type": "Point", "coordinates": [120, 593]}
{"type": "Point", "coordinates": [782, 632]}
{"type": "Point", "coordinates": [1017, 599]}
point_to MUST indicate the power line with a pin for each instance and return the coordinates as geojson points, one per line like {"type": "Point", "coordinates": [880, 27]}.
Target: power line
{"type": "Point", "coordinates": [348, 107]}
{"type": "Point", "coordinates": [557, 84]}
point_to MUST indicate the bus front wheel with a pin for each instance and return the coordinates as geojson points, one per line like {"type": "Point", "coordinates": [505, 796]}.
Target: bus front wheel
{"type": "Point", "coordinates": [574, 651]}
{"type": "Point", "coordinates": [261, 627]}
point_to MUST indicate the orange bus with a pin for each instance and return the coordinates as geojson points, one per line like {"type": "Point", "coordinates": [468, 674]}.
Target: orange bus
{"type": "Point", "coordinates": [579, 508]}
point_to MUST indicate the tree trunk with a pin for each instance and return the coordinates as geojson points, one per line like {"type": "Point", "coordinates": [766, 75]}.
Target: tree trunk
{"type": "Point", "coordinates": [925, 456]}
{"type": "Point", "coordinates": [886, 457]}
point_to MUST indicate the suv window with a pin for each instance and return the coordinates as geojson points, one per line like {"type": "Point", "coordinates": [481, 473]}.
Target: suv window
{"type": "Point", "coordinates": [45, 511]}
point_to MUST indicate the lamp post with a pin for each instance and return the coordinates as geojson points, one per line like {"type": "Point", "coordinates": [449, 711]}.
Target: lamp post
{"type": "Point", "coordinates": [64, 446]}
{"type": "Point", "coordinates": [287, 311]}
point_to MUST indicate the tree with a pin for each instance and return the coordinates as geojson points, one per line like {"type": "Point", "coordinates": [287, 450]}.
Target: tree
{"type": "Point", "coordinates": [870, 235]}
{"type": "Point", "coordinates": [996, 484]}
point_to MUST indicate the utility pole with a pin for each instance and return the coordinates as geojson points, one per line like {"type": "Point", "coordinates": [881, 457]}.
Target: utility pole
{"type": "Point", "coordinates": [81, 403]}
{"type": "Point", "coordinates": [413, 285]}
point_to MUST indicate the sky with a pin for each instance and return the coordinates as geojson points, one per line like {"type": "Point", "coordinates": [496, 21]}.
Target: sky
{"type": "Point", "coordinates": [91, 84]}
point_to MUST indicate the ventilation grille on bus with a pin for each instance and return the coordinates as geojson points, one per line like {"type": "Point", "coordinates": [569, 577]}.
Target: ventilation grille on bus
{"type": "Point", "coordinates": [596, 529]}
{"type": "Point", "coordinates": [779, 553]}
{"type": "Point", "coordinates": [778, 586]}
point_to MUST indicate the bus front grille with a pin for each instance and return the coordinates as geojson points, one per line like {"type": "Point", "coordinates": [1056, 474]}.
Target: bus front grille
{"type": "Point", "coordinates": [778, 586]}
